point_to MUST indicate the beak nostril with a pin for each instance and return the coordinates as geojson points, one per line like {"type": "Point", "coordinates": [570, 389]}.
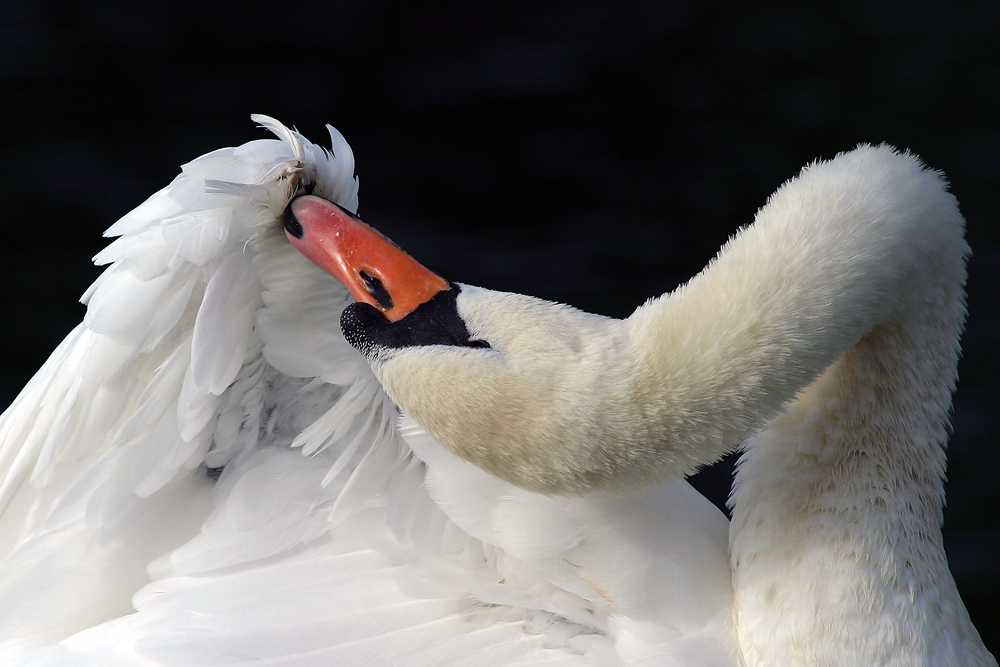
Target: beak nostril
{"type": "Point", "coordinates": [377, 290]}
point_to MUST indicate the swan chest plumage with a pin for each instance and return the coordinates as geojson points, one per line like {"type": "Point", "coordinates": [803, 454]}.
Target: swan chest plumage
{"type": "Point", "coordinates": [213, 468]}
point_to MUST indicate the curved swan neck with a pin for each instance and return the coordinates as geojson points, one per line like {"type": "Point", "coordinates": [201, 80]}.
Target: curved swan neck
{"type": "Point", "coordinates": [841, 309]}
{"type": "Point", "coordinates": [823, 264]}
{"type": "Point", "coordinates": [566, 402]}
{"type": "Point", "coordinates": [836, 544]}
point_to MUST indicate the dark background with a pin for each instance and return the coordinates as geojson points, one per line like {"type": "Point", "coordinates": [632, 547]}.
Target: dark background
{"type": "Point", "coordinates": [596, 153]}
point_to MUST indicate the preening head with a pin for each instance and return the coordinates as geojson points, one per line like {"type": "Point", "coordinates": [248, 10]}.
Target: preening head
{"type": "Point", "coordinates": [495, 377]}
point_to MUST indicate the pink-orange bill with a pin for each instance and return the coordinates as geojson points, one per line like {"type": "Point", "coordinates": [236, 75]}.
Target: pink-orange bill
{"type": "Point", "coordinates": [372, 267]}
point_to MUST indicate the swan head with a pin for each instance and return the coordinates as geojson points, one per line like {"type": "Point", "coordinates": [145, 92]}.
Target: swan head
{"type": "Point", "coordinates": [506, 381]}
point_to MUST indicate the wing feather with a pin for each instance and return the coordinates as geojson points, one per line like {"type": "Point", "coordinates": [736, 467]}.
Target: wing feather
{"type": "Point", "coordinates": [165, 376]}
{"type": "Point", "coordinates": [205, 472]}
{"type": "Point", "coordinates": [224, 324]}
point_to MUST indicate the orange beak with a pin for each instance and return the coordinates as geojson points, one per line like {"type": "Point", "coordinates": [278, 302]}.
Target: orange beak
{"type": "Point", "coordinates": [371, 266]}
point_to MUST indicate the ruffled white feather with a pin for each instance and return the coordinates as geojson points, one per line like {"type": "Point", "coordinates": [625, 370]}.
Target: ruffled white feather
{"type": "Point", "coordinates": [210, 348]}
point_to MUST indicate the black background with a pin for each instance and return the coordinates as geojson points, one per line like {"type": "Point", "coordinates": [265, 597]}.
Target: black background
{"type": "Point", "coordinates": [596, 153]}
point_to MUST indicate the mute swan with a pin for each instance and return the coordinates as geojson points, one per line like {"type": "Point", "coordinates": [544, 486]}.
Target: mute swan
{"type": "Point", "coordinates": [840, 308]}
{"type": "Point", "coordinates": [156, 509]}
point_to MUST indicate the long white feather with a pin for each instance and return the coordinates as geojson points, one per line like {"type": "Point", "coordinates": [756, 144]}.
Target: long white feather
{"type": "Point", "coordinates": [211, 349]}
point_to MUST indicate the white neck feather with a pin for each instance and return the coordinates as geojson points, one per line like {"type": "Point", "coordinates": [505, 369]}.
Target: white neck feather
{"type": "Point", "coordinates": [836, 544]}
{"type": "Point", "coordinates": [828, 258]}
{"type": "Point", "coordinates": [568, 402]}
{"type": "Point", "coordinates": [842, 307]}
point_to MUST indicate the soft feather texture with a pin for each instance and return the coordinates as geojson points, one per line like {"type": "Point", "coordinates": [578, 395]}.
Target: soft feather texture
{"type": "Point", "coordinates": [578, 401]}
{"type": "Point", "coordinates": [840, 308]}
{"type": "Point", "coordinates": [331, 536]}
{"type": "Point", "coordinates": [861, 453]}
{"type": "Point", "coordinates": [337, 535]}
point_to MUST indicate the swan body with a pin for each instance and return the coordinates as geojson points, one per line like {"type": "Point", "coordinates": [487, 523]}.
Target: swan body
{"type": "Point", "coordinates": [206, 472]}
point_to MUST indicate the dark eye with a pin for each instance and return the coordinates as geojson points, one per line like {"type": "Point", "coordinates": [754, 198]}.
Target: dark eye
{"type": "Point", "coordinates": [377, 290]}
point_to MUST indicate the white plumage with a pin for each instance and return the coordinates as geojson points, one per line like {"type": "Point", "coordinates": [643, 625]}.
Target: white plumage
{"type": "Point", "coordinates": [338, 533]}
{"type": "Point", "coordinates": [210, 343]}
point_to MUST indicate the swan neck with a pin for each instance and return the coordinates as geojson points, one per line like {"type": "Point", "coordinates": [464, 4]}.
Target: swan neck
{"type": "Point", "coordinates": [838, 502]}
{"type": "Point", "coordinates": [827, 261]}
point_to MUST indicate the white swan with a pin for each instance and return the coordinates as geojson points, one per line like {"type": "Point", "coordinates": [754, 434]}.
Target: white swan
{"type": "Point", "coordinates": [157, 511]}
{"type": "Point", "coordinates": [852, 274]}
